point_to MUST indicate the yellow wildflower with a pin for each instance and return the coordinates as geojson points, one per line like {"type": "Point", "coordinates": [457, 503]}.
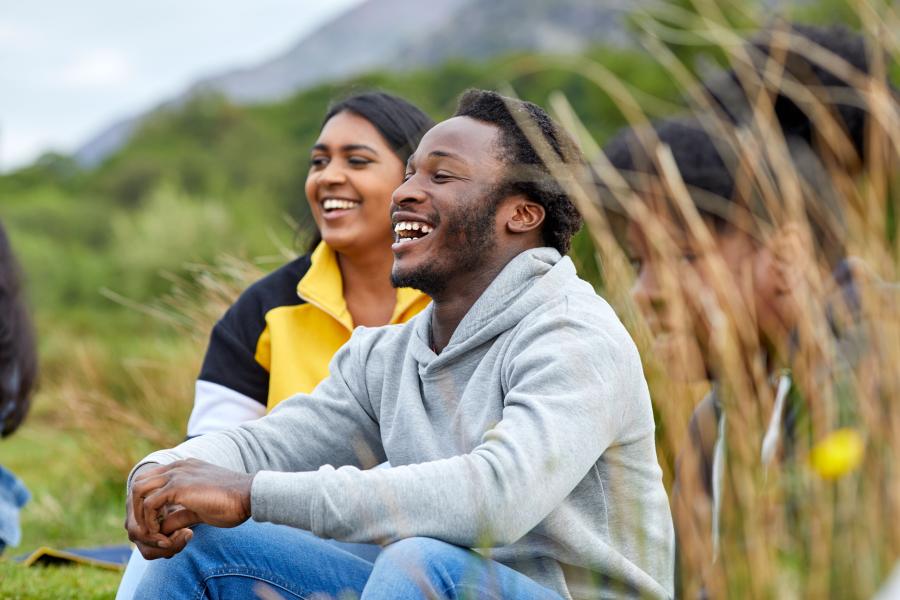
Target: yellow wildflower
{"type": "Point", "coordinates": [837, 454]}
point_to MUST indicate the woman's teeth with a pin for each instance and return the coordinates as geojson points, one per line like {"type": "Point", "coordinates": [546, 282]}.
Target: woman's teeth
{"type": "Point", "coordinates": [338, 204]}
{"type": "Point", "coordinates": [411, 230]}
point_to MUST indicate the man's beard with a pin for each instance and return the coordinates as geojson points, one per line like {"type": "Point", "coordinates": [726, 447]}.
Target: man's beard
{"type": "Point", "coordinates": [470, 239]}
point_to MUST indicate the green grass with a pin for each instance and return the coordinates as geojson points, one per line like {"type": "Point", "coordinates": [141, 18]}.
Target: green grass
{"type": "Point", "coordinates": [71, 505]}
{"type": "Point", "coordinates": [59, 583]}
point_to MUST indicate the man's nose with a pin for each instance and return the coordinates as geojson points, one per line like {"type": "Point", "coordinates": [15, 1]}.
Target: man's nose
{"type": "Point", "coordinates": [646, 292]}
{"type": "Point", "coordinates": [408, 192]}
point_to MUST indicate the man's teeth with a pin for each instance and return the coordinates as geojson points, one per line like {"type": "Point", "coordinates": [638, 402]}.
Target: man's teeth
{"type": "Point", "coordinates": [337, 203]}
{"type": "Point", "coordinates": [413, 226]}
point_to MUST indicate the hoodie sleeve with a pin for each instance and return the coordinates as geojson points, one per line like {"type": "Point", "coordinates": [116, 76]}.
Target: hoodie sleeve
{"type": "Point", "coordinates": [335, 424]}
{"type": "Point", "coordinates": [571, 386]}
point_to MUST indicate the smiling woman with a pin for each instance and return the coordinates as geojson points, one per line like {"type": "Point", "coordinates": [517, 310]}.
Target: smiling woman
{"type": "Point", "coordinates": [278, 339]}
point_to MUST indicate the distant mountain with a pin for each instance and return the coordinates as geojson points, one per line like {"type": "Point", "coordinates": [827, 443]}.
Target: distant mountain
{"type": "Point", "coordinates": [397, 34]}
{"type": "Point", "coordinates": [483, 29]}
{"type": "Point", "coordinates": [361, 39]}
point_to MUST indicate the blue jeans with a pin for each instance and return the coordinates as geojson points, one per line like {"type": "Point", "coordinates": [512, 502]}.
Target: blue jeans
{"type": "Point", "coordinates": [13, 496]}
{"type": "Point", "coordinates": [273, 561]}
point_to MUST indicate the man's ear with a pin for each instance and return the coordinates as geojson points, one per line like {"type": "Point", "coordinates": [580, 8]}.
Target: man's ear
{"type": "Point", "coordinates": [526, 215]}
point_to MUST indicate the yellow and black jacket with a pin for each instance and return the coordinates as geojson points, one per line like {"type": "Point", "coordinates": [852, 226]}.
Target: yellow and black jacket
{"type": "Point", "coordinates": [277, 340]}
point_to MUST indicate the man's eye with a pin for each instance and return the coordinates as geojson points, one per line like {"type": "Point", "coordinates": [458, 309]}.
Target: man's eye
{"type": "Point", "coordinates": [407, 176]}
{"type": "Point", "coordinates": [689, 257]}
{"type": "Point", "coordinates": [441, 177]}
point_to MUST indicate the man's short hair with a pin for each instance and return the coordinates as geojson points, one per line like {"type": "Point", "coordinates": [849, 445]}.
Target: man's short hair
{"type": "Point", "coordinates": [710, 171]}
{"type": "Point", "coordinates": [528, 174]}
{"type": "Point", "coordinates": [707, 175]}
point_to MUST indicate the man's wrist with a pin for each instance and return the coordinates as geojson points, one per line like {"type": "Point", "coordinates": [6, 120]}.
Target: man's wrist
{"type": "Point", "coordinates": [137, 471]}
{"type": "Point", "coordinates": [247, 496]}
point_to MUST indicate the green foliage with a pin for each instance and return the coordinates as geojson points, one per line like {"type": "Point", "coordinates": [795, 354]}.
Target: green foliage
{"type": "Point", "coordinates": [208, 177]}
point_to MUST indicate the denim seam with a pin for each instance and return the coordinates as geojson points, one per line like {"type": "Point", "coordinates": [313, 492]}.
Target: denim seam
{"type": "Point", "coordinates": [249, 573]}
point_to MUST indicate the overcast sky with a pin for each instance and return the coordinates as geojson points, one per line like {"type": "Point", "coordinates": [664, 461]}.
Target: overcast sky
{"type": "Point", "coordinates": [68, 69]}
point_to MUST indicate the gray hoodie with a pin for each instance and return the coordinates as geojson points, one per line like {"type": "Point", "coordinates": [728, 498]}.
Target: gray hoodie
{"type": "Point", "coordinates": [530, 436]}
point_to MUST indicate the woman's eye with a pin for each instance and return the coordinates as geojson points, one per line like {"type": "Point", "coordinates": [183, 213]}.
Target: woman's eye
{"type": "Point", "coordinates": [358, 161]}
{"type": "Point", "coordinates": [318, 161]}
{"type": "Point", "coordinates": [689, 257]}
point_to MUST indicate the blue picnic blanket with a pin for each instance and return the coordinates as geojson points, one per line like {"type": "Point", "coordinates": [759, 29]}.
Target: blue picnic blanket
{"type": "Point", "coordinates": [107, 557]}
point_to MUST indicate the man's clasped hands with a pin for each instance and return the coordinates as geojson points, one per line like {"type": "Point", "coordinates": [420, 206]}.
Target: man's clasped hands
{"type": "Point", "coordinates": [164, 501]}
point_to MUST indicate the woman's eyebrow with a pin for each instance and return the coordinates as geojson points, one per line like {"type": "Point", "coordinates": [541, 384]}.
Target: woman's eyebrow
{"type": "Point", "coordinates": [347, 148]}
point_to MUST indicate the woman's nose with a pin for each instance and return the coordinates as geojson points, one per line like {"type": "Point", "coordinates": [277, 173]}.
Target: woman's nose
{"type": "Point", "coordinates": [332, 174]}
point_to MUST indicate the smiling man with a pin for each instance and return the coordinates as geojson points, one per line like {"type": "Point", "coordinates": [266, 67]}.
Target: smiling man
{"type": "Point", "coordinates": [513, 410]}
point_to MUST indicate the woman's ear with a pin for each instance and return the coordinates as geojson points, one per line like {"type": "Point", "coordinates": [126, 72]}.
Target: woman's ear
{"type": "Point", "coordinates": [526, 215]}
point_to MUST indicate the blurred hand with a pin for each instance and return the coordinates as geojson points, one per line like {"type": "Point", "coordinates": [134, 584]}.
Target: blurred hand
{"type": "Point", "coordinates": [165, 500]}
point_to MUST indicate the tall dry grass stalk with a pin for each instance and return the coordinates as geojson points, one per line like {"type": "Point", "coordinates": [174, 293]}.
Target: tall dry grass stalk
{"type": "Point", "coordinates": [128, 406]}
{"type": "Point", "coordinates": [814, 523]}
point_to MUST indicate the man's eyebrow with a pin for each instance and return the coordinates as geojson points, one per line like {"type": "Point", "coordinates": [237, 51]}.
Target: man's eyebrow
{"type": "Point", "coordinates": [446, 154]}
{"type": "Point", "coordinates": [347, 148]}
{"type": "Point", "coordinates": [438, 154]}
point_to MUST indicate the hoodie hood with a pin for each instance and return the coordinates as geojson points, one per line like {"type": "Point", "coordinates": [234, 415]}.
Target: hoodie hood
{"type": "Point", "coordinates": [525, 283]}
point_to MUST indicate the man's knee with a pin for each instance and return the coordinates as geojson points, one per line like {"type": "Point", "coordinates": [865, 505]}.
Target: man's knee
{"type": "Point", "coordinates": [420, 548]}
{"type": "Point", "coordinates": [419, 556]}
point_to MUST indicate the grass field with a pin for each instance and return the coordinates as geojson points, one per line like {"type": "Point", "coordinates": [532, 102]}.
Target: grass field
{"type": "Point", "coordinates": [70, 506]}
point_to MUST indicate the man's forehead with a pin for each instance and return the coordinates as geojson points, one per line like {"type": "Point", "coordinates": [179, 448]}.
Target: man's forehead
{"type": "Point", "coordinates": [463, 137]}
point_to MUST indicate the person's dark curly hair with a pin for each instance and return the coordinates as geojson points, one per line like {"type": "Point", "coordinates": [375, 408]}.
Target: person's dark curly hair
{"type": "Point", "coordinates": [527, 173]}
{"type": "Point", "coordinates": [18, 357]}
{"type": "Point", "coordinates": [708, 171]}
{"type": "Point", "coordinates": [847, 105]}
{"type": "Point", "coordinates": [707, 175]}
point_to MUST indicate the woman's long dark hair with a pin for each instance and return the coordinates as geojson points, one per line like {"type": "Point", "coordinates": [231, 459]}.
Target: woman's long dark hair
{"type": "Point", "coordinates": [18, 356]}
{"type": "Point", "coordinates": [399, 122]}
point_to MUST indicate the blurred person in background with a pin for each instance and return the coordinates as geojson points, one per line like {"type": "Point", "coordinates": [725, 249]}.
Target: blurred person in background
{"type": "Point", "coordinates": [280, 335]}
{"type": "Point", "coordinates": [767, 292]}
{"type": "Point", "coordinates": [18, 373]}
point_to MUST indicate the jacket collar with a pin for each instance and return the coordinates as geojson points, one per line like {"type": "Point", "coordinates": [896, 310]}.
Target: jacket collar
{"type": "Point", "coordinates": [323, 287]}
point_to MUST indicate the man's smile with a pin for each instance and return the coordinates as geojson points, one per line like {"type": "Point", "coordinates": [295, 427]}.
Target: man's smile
{"type": "Point", "coordinates": [407, 231]}
{"type": "Point", "coordinates": [409, 228]}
